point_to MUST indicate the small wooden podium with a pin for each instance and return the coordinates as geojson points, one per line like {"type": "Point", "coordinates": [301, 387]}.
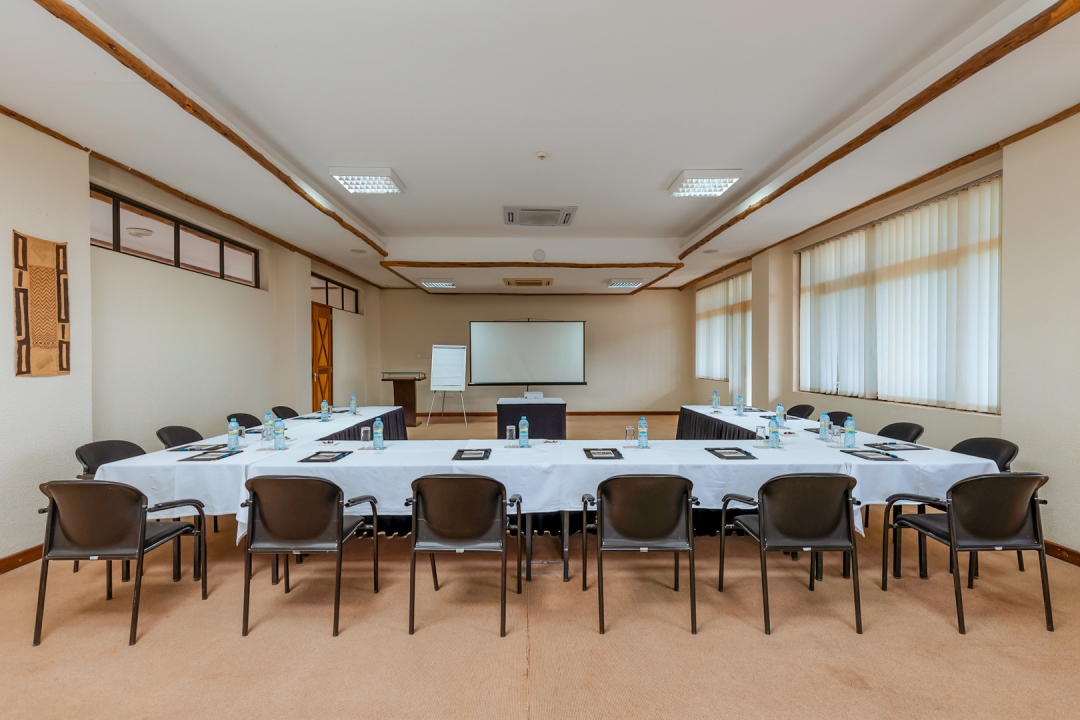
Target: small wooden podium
{"type": "Point", "coordinates": [405, 392]}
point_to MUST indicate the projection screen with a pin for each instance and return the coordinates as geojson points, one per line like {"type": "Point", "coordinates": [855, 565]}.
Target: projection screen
{"type": "Point", "coordinates": [519, 352]}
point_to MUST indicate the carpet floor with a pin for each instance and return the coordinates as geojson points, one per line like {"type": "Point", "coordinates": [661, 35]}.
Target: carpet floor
{"type": "Point", "coordinates": [190, 659]}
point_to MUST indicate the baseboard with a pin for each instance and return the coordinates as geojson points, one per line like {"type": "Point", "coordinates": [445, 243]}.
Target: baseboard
{"type": "Point", "coordinates": [1062, 553]}
{"type": "Point", "coordinates": [23, 557]}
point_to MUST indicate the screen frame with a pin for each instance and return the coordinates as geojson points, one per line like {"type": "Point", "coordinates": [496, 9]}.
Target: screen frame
{"type": "Point", "coordinates": [584, 359]}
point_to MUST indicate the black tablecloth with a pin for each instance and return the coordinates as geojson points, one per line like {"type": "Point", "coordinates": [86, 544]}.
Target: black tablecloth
{"type": "Point", "coordinates": [547, 421]}
{"type": "Point", "coordinates": [393, 427]}
{"type": "Point", "coordinates": [695, 426]}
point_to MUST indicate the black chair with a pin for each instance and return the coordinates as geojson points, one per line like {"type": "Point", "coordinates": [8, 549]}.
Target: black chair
{"type": "Point", "coordinates": [639, 513]}
{"type": "Point", "coordinates": [292, 515]}
{"type": "Point", "coordinates": [982, 513]}
{"type": "Point", "coordinates": [92, 520]}
{"type": "Point", "coordinates": [902, 431]}
{"type": "Point", "coordinates": [838, 417]}
{"type": "Point", "coordinates": [460, 513]}
{"type": "Point", "coordinates": [1002, 452]}
{"type": "Point", "coordinates": [812, 513]}
{"type": "Point", "coordinates": [176, 435]}
{"type": "Point", "coordinates": [245, 420]}
{"type": "Point", "coordinates": [284, 412]}
{"type": "Point", "coordinates": [801, 411]}
{"type": "Point", "coordinates": [93, 455]}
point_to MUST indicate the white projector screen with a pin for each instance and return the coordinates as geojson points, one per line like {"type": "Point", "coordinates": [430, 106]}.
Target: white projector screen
{"type": "Point", "coordinates": [520, 352]}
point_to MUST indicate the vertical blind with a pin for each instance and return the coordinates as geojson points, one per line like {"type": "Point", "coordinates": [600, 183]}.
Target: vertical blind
{"type": "Point", "coordinates": [907, 308]}
{"type": "Point", "coordinates": [723, 333]}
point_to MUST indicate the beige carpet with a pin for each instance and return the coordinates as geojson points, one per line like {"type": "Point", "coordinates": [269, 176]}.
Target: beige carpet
{"type": "Point", "coordinates": [191, 660]}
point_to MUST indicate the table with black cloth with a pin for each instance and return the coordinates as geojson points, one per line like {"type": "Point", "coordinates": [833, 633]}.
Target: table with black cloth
{"type": "Point", "coordinates": [393, 427]}
{"type": "Point", "coordinates": [546, 416]}
{"type": "Point", "coordinates": [697, 423]}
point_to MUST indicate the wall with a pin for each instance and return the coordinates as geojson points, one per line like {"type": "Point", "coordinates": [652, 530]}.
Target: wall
{"type": "Point", "coordinates": [638, 349]}
{"type": "Point", "coordinates": [350, 360]}
{"type": "Point", "coordinates": [43, 193]}
{"type": "Point", "coordinates": [1039, 288]}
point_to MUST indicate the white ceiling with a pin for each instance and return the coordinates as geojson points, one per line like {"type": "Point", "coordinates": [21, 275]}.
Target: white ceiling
{"type": "Point", "coordinates": [458, 98]}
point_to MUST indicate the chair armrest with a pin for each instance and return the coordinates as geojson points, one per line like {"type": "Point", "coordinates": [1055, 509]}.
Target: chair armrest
{"type": "Point", "coordinates": [921, 499]}
{"type": "Point", "coordinates": [409, 502]}
{"type": "Point", "coordinates": [745, 499]}
{"type": "Point", "coordinates": [84, 476]}
{"type": "Point", "coordinates": [177, 503]}
{"type": "Point", "coordinates": [514, 499]}
{"type": "Point", "coordinates": [1038, 500]}
{"type": "Point", "coordinates": [856, 503]}
{"type": "Point", "coordinates": [245, 503]}
{"type": "Point", "coordinates": [42, 511]}
{"type": "Point", "coordinates": [361, 499]}
{"type": "Point", "coordinates": [694, 501]}
{"type": "Point", "coordinates": [588, 499]}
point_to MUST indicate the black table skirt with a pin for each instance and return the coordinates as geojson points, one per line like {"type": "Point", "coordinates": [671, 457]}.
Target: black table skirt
{"type": "Point", "coordinates": [393, 427]}
{"type": "Point", "coordinates": [547, 421]}
{"type": "Point", "coordinates": [695, 426]}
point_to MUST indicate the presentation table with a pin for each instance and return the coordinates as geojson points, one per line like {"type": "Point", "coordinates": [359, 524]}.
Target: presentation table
{"type": "Point", "coordinates": [547, 416]}
{"type": "Point", "coordinates": [699, 422]}
{"type": "Point", "coordinates": [405, 392]}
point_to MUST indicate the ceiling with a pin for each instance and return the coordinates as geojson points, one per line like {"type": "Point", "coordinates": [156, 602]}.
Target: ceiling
{"type": "Point", "coordinates": [458, 99]}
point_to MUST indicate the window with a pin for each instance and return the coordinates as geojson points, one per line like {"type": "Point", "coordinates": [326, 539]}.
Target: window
{"type": "Point", "coordinates": [723, 333]}
{"type": "Point", "coordinates": [126, 226]}
{"type": "Point", "coordinates": [906, 309]}
{"type": "Point", "coordinates": [328, 292]}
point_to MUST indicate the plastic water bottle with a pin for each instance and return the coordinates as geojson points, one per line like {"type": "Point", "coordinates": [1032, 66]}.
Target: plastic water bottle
{"type": "Point", "coordinates": [781, 417]}
{"type": "Point", "coordinates": [824, 427]}
{"type": "Point", "coordinates": [642, 434]}
{"type": "Point", "coordinates": [715, 400]}
{"type": "Point", "coordinates": [233, 434]}
{"type": "Point", "coordinates": [849, 432]}
{"type": "Point", "coordinates": [267, 429]}
{"type": "Point", "coordinates": [324, 412]}
{"type": "Point", "coordinates": [740, 406]}
{"type": "Point", "coordinates": [774, 433]}
{"type": "Point", "coordinates": [352, 404]}
{"type": "Point", "coordinates": [377, 434]}
{"type": "Point", "coordinates": [523, 432]}
{"type": "Point", "coordinates": [279, 434]}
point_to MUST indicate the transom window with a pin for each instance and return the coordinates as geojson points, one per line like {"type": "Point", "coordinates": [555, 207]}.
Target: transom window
{"type": "Point", "coordinates": [330, 292]}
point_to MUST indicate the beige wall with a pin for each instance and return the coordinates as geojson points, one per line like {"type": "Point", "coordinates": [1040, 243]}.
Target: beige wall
{"type": "Point", "coordinates": [638, 349]}
{"type": "Point", "coordinates": [43, 193]}
{"type": "Point", "coordinates": [1040, 336]}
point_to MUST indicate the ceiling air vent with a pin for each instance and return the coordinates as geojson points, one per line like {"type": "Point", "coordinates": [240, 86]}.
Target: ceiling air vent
{"type": "Point", "coordinates": [527, 282]}
{"type": "Point", "coordinates": [539, 216]}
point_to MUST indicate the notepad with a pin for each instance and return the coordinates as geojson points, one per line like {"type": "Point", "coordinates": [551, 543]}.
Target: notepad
{"type": "Point", "coordinates": [895, 446]}
{"type": "Point", "coordinates": [197, 447]}
{"type": "Point", "coordinates": [326, 456]}
{"type": "Point", "coordinates": [874, 455]}
{"type": "Point", "coordinates": [480, 454]}
{"type": "Point", "coordinates": [211, 456]}
{"type": "Point", "coordinates": [603, 454]}
{"type": "Point", "coordinates": [731, 453]}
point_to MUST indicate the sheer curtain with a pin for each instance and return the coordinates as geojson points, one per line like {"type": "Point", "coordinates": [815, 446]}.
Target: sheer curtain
{"type": "Point", "coordinates": [907, 309]}
{"type": "Point", "coordinates": [723, 333]}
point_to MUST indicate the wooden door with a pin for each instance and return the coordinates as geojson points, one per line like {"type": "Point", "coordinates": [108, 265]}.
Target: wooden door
{"type": "Point", "coordinates": [322, 355]}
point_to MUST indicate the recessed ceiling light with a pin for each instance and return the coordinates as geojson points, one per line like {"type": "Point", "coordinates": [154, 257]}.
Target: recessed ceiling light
{"type": "Point", "coordinates": [439, 284]}
{"type": "Point", "coordinates": [625, 283]}
{"type": "Point", "coordinates": [362, 251]}
{"type": "Point", "coordinates": [703, 183]}
{"type": "Point", "coordinates": [139, 232]}
{"type": "Point", "coordinates": [705, 252]}
{"type": "Point", "coordinates": [378, 181]}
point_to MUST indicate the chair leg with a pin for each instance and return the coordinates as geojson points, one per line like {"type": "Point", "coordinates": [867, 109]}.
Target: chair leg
{"type": "Point", "coordinates": [337, 587]}
{"type": "Point", "coordinates": [1020, 559]}
{"type": "Point", "coordinates": [584, 552]}
{"type": "Point", "coordinates": [75, 567]}
{"type": "Point", "coordinates": [135, 600]}
{"type": "Point", "coordinates": [215, 524]}
{"type": "Point", "coordinates": [529, 546]}
{"type": "Point", "coordinates": [274, 564]}
{"type": "Point", "coordinates": [866, 517]}
{"type": "Point", "coordinates": [600, 583]}
{"type": "Point", "coordinates": [885, 552]}
{"type": "Point", "coordinates": [1045, 589]}
{"type": "Point", "coordinates": [375, 537]}
{"type": "Point", "coordinates": [723, 538]}
{"type": "Point", "coordinates": [108, 579]}
{"type": "Point", "coordinates": [956, 588]}
{"type": "Point", "coordinates": [434, 573]}
{"type": "Point", "coordinates": [813, 569]}
{"type": "Point", "coordinates": [247, 589]}
{"type": "Point", "coordinates": [693, 594]}
{"type": "Point", "coordinates": [971, 570]}
{"type": "Point", "coordinates": [176, 559]}
{"type": "Point", "coordinates": [820, 567]}
{"type": "Point", "coordinates": [125, 571]}
{"type": "Point", "coordinates": [519, 558]}
{"type": "Point", "coordinates": [676, 571]}
{"type": "Point", "coordinates": [854, 555]}
{"type": "Point", "coordinates": [976, 564]}
{"type": "Point", "coordinates": [897, 549]}
{"type": "Point", "coordinates": [41, 600]}
{"type": "Point", "coordinates": [202, 559]}
{"type": "Point", "coordinates": [412, 589]}
{"type": "Point", "coordinates": [847, 567]}
{"type": "Point", "coordinates": [502, 595]}
{"type": "Point", "coordinates": [765, 589]}
{"type": "Point", "coordinates": [285, 561]}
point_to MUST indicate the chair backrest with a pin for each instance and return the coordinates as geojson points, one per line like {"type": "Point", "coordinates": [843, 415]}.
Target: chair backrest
{"type": "Point", "coordinates": [284, 412]}
{"type": "Point", "coordinates": [902, 431]}
{"type": "Point", "coordinates": [1000, 451]}
{"type": "Point", "coordinates": [176, 435]}
{"type": "Point", "coordinates": [996, 507]}
{"type": "Point", "coordinates": [838, 417]}
{"type": "Point", "coordinates": [245, 420]}
{"type": "Point", "coordinates": [801, 411]}
{"type": "Point", "coordinates": [293, 510]}
{"type": "Point", "coordinates": [804, 508]}
{"type": "Point", "coordinates": [644, 507]}
{"type": "Point", "coordinates": [451, 508]}
{"type": "Point", "coordinates": [94, 517]}
{"type": "Point", "coordinates": [93, 455]}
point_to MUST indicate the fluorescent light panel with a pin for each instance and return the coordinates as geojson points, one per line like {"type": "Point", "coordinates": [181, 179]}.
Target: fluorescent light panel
{"type": "Point", "coordinates": [624, 284]}
{"type": "Point", "coordinates": [703, 183]}
{"type": "Point", "coordinates": [439, 284]}
{"type": "Point", "coordinates": [376, 181]}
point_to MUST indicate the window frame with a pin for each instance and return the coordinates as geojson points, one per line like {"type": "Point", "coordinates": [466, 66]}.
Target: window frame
{"type": "Point", "coordinates": [344, 287]}
{"type": "Point", "coordinates": [117, 199]}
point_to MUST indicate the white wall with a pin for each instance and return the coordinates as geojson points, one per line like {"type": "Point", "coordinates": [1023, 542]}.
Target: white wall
{"type": "Point", "coordinates": [43, 193]}
{"type": "Point", "coordinates": [1040, 336]}
{"type": "Point", "coordinates": [638, 349]}
{"type": "Point", "coordinates": [350, 359]}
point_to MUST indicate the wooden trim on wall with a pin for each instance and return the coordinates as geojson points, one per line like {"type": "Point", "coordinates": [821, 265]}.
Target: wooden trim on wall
{"type": "Point", "coordinates": [1062, 553]}
{"type": "Point", "coordinates": [96, 35]}
{"type": "Point", "coordinates": [17, 560]}
{"type": "Point", "coordinates": [1017, 38]}
{"type": "Point", "coordinates": [933, 174]}
{"type": "Point", "coordinates": [180, 194]}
